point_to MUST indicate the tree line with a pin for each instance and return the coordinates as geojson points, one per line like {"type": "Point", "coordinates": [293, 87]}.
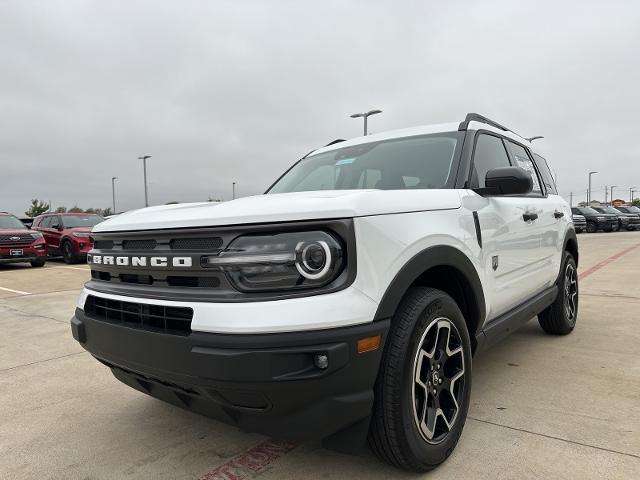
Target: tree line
{"type": "Point", "coordinates": [38, 207]}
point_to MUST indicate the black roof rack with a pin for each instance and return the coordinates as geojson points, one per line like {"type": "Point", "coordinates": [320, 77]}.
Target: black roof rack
{"type": "Point", "coordinates": [335, 141]}
{"type": "Point", "coordinates": [476, 117]}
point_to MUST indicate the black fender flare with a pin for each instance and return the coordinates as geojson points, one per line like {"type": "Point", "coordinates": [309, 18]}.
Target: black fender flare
{"type": "Point", "coordinates": [568, 237]}
{"type": "Point", "coordinates": [437, 256]}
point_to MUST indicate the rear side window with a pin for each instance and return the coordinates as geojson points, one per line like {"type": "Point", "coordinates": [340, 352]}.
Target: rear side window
{"type": "Point", "coordinates": [489, 154]}
{"type": "Point", "coordinates": [545, 173]}
{"type": "Point", "coordinates": [521, 159]}
{"type": "Point", "coordinates": [45, 222]}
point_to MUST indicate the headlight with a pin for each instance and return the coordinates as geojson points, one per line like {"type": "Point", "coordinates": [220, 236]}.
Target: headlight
{"type": "Point", "coordinates": [36, 235]}
{"type": "Point", "coordinates": [80, 234]}
{"type": "Point", "coordinates": [601, 219]}
{"type": "Point", "coordinates": [283, 261]}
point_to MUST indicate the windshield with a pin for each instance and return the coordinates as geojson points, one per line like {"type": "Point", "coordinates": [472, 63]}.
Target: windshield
{"type": "Point", "coordinates": [11, 222]}
{"type": "Point", "coordinates": [73, 221]}
{"type": "Point", "coordinates": [611, 210]}
{"type": "Point", "coordinates": [406, 163]}
{"type": "Point", "coordinates": [633, 209]}
{"type": "Point", "coordinates": [607, 210]}
{"type": "Point", "coordinates": [588, 211]}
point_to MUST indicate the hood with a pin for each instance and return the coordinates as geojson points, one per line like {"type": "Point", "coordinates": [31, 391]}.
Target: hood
{"type": "Point", "coordinates": [12, 231]}
{"type": "Point", "coordinates": [283, 207]}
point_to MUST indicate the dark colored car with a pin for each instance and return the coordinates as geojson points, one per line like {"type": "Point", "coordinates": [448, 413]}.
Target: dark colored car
{"type": "Point", "coordinates": [624, 219]}
{"type": "Point", "coordinates": [634, 213]}
{"type": "Point", "coordinates": [67, 234]}
{"type": "Point", "coordinates": [596, 220]}
{"type": "Point", "coordinates": [19, 244]}
{"type": "Point", "coordinates": [579, 223]}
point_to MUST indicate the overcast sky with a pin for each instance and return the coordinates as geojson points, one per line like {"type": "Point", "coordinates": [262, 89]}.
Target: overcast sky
{"type": "Point", "coordinates": [231, 91]}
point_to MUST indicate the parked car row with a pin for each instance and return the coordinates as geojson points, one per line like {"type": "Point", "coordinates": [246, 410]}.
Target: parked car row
{"type": "Point", "coordinates": [50, 235]}
{"type": "Point", "coordinates": [607, 218]}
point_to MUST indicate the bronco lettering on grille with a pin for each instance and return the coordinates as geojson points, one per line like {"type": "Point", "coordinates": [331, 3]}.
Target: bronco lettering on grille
{"type": "Point", "coordinates": [140, 261]}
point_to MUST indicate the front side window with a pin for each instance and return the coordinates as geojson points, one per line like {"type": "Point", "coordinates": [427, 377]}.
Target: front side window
{"type": "Point", "coordinates": [73, 221]}
{"type": "Point", "coordinates": [11, 222]}
{"type": "Point", "coordinates": [407, 163]}
{"type": "Point", "coordinates": [489, 154]}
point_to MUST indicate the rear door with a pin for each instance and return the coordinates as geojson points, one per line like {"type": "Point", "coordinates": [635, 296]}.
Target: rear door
{"type": "Point", "coordinates": [511, 250]}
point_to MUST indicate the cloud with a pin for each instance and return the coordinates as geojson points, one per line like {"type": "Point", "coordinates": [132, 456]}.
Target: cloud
{"type": "Point", "coordinates": [222, 91]}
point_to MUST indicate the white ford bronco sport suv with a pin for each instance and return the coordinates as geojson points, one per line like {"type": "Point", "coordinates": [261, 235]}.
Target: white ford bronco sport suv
{"type": "Point", "coordinates": [346, 303]}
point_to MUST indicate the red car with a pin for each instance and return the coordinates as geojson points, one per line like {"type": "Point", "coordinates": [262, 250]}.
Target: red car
{"type": "Point", "coordinates": [19, 244]}
{"type": "Point", "coordinates": [67, 234]}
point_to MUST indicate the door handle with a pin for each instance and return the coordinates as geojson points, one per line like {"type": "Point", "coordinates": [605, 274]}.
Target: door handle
{"type": "Point", "coordinates": [529, 216]}
{"type": "Point", "coordinates": [558, 214]}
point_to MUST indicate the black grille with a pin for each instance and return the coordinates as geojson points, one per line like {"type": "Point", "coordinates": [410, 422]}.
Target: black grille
{"type": "Point", "coordinates": [179, 281]}
{"type": "Point", "coordinates": [103, 244]}
{"type": "Point", "coordinates": [211, 243]}
{"type": "Point", "coordinates": [22, 238]}
{"type": "Point", "coordinates": [139, 244]}
{"type": "Point", "coordinates": [173, 320]}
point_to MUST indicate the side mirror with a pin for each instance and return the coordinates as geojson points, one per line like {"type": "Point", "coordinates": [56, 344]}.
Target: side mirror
{"type": "Point", "coordinates": [507, 181]}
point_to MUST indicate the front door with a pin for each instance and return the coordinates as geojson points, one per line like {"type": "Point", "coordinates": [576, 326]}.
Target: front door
{"type": "Point", "coordinates": [512, 232]}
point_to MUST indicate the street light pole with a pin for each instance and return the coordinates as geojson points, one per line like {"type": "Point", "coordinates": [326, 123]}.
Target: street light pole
{"type": "Point", "coordinates": [113, 192]}
{"type": "Point", "coordinates": [144, 166]}
{"type": "Point", "coordinates": [631, 190]}
{"type": "Point", "coordinates": [612, 187]}
{"type": "Point", "coordinates": [233, 191]}
{"type": "Point", "coordinates": [589, 195]}
{"type": "Point", "coordinates": [365, 116]}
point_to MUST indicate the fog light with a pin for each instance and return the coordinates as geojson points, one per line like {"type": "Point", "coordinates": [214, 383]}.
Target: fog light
{"type": "Point", "coordinates": [321, 361]}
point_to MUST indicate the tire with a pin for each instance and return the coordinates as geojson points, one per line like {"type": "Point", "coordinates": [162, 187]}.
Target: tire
{"type": "Point", "coordinates": [38, 263]}
{"type": "Point", "coordinates": [560, 317]}
{"type": "Point", "coordinates": [578, 230]}
{"type": "Point", "coordinates": [395, 435]}
{"type": "Point", "coordinates": [591, 227]}
{"type": "Point", "coordinates": [68, 254]}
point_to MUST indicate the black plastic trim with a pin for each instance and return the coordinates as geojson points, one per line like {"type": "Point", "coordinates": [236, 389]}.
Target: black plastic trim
{"type": "Point", "coordinates": [441, 255]}
{"type": "Point", "coordinates": [264, 383]}
{"type": "Point", "coordinates": [476, 222]}
{"type": "Point", "coordinates": [507, 323]}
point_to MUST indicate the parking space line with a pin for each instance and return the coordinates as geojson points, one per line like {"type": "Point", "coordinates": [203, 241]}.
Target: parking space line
{"type": "Point", "coordinates": [605, 262]}
{"type": "Point", "coordinates": [551, 437]}
{"type": "Point", "coordinates": [20, 292]}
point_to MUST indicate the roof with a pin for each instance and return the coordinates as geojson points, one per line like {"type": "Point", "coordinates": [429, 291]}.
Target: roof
{"type": "Point", "coordinates": [473, 121]}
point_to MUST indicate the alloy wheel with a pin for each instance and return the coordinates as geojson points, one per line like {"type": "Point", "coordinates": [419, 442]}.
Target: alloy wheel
{"type": "Point", "coordinates": [438, 380]}
{"type": "Point", "coordinates": [67, 251]}
{"type": "Point", "coordinates": [570, 292]}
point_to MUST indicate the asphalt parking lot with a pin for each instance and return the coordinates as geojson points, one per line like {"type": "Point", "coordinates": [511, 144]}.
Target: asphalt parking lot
{"type": "Point", "coordinates": [542, 406]}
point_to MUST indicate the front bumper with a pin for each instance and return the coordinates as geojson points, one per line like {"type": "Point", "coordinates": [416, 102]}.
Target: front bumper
{"type": "Point", "coordinates": [29, 253]}
{"type": "Point", "coordinates": [264, 383]}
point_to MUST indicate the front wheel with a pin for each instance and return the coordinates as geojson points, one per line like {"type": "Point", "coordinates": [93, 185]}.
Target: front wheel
{"type": "Point", "coordinates": [560, 317]}
{"type": "Point", "coordinates": [424, 384]}
{"type": "Point", "coordinates": [591, 227]}
{"type": "Point", "coordinates": [68, 254]}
